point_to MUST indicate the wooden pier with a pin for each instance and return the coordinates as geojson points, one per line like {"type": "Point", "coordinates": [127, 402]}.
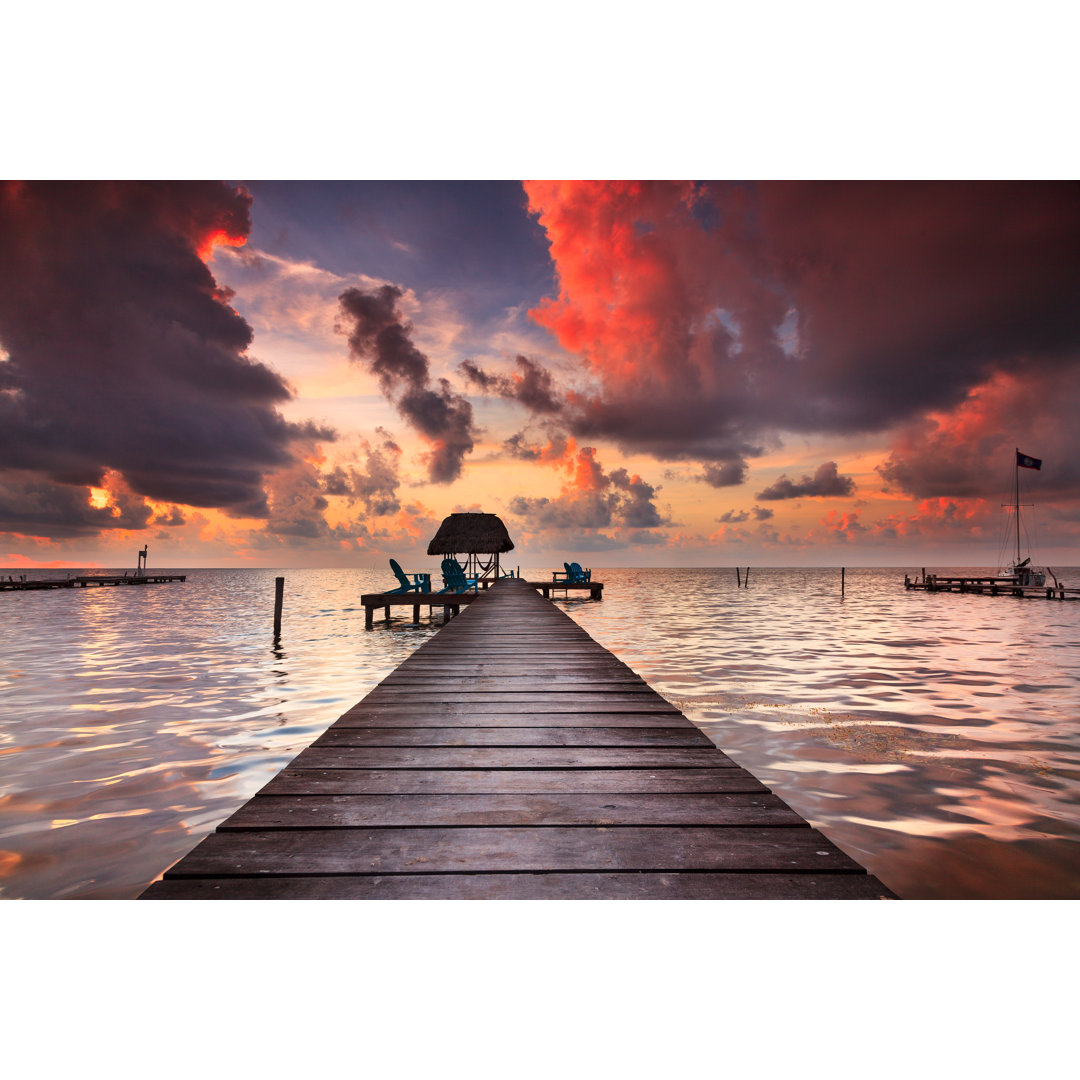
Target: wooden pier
{"type": "Point", "coordinates": [990, 586]}
{"type": "Point", "coordinates": [87, 581]}
{"type": "Point", "coordinates": [595, 589]}
{"type": "Point", "coordinates": [513, 757]}
{"type": "Point", "coordinates": [451, 603]}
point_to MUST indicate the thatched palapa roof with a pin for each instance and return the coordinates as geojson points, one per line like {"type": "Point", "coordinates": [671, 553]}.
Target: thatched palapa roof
{"type": "Point", "coordinates": [473, 533]}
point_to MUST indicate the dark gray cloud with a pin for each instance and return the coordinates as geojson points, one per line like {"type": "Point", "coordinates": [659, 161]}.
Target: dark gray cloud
{"type": "Point", "coordinates": [518, 447]}
{"type": "Point", "coordinates": [123, 353]}
{"type": "Point", "coordinates": [532, 385]}
{"type": "Point", "coordinates": [635, 507]}
{"type": "Point", "coordinates": [826, 481]}
{"type": "Point", "coordinates": [724, 473]}
{"type": "Point", "coordinates": [33, 505]}
{"type": "Point", "coordinates": [738, 516]}
{"type": "Point", "coordinates": [380, 339]}
{"type": "Point", "coordinates": [735, 517]}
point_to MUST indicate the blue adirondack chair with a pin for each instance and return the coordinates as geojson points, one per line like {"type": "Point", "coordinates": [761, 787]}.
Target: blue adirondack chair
{"type": "Point", "coordinates": [454, 577]}
{"type": "Point", "coordinates": [418, 582]}
{"type": "Point", "coordinates": [572, 574]}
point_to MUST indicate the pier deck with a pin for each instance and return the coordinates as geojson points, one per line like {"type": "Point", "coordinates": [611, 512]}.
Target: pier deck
{"type": "Point", "coordinates": [451, 603]}
{"type": "Point", "coordinates": [513, 757]}
{"type": "Point", "coordinates": [595, 589]}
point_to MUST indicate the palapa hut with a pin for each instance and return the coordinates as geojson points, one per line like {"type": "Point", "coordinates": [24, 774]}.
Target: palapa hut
{"type": "Point", "coordinates": [475, 540]}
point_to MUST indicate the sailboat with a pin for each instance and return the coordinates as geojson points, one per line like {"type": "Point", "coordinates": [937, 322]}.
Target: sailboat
{"type": "Point", "coordinates": [1020, 571]}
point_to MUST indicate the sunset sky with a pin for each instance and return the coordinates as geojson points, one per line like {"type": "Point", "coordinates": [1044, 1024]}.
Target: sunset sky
{"type": "Point", "coordinates": [249, 373]}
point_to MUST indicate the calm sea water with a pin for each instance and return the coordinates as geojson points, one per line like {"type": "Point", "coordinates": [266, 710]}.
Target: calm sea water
{"type": "Point", "coordinates": [934, 737]}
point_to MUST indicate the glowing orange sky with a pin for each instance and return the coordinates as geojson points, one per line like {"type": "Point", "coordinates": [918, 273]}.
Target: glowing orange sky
{"type": "Point", "coordinates": [657, 372]}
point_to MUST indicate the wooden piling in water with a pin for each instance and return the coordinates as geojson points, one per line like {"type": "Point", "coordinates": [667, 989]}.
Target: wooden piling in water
{"type": "Point", "coordinates": [279, 594]}
{"type": "Point", "coordinates": [513, 757]}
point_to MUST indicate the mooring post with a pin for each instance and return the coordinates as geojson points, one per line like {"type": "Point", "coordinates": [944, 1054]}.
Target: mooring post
{"type": "Point", "coordinates": [746, 578]}
{"type": "Point", "coordinates": [842, 580]}
{"type": "Point", "coordinates": [279, 593]}
{"type": "Point", "coordinates": [738, 577]}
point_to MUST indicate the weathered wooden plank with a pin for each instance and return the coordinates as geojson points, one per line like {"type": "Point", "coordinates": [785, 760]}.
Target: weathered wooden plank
{"type": "Point", "coordinates": [509, 708]}
{"type": "Point", "coordinates": [582, 680]}
{"type": "Point", "coordinates": [408, 718]}
{"type": "Point", "coordinates": [582, 700]}
{"type": "Point", "coordinates": [512, 757]}
{"type": "Point", "coordinates": [569, 651]}
{"type": "Point", "coordinates": [530, 683]}
{"type": "Point", "coordinates": [503, 735]}
{"type": "Point", "coordinates": [301, 781]}
{"type": "Point", "coordinates": [528, 886]}
{"type": "Point", "coordinates": [373, 811]}
{"type": "Point", "coordinates": [431, 667]}
{"type": "Point", "coordinates": [521, 849]}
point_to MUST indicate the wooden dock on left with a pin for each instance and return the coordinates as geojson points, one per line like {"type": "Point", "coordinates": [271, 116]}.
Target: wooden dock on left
{"type": "Point", "coordinates": [87, 581]}
{"type": "Point", "coordinates": [511, 756]}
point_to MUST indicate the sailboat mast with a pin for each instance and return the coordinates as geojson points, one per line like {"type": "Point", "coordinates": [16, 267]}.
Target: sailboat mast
{"type": "Point", "coordinates": [1016, 509]}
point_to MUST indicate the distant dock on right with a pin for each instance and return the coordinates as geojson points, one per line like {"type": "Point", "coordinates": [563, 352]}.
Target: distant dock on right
{"type": "Point", "coordinates": [989, 585]}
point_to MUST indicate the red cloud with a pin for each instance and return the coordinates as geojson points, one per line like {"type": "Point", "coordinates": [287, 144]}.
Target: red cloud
{"type": "Point", "coordinates": [712, 316]}
{"type": "Point", "coordinates": [969, 451]}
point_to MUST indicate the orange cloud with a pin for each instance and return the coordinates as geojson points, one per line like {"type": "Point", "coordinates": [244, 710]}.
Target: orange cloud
{"type": "Point", "coordinates": [218, 238]}
{"type": "Point", "coordinates": [616, 278]}
{"type": "Point", "coordinates": [843, 526]}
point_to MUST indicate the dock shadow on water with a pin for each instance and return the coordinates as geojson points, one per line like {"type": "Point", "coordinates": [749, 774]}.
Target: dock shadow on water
{"type": "Point", "coordinates": [932, 737]}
